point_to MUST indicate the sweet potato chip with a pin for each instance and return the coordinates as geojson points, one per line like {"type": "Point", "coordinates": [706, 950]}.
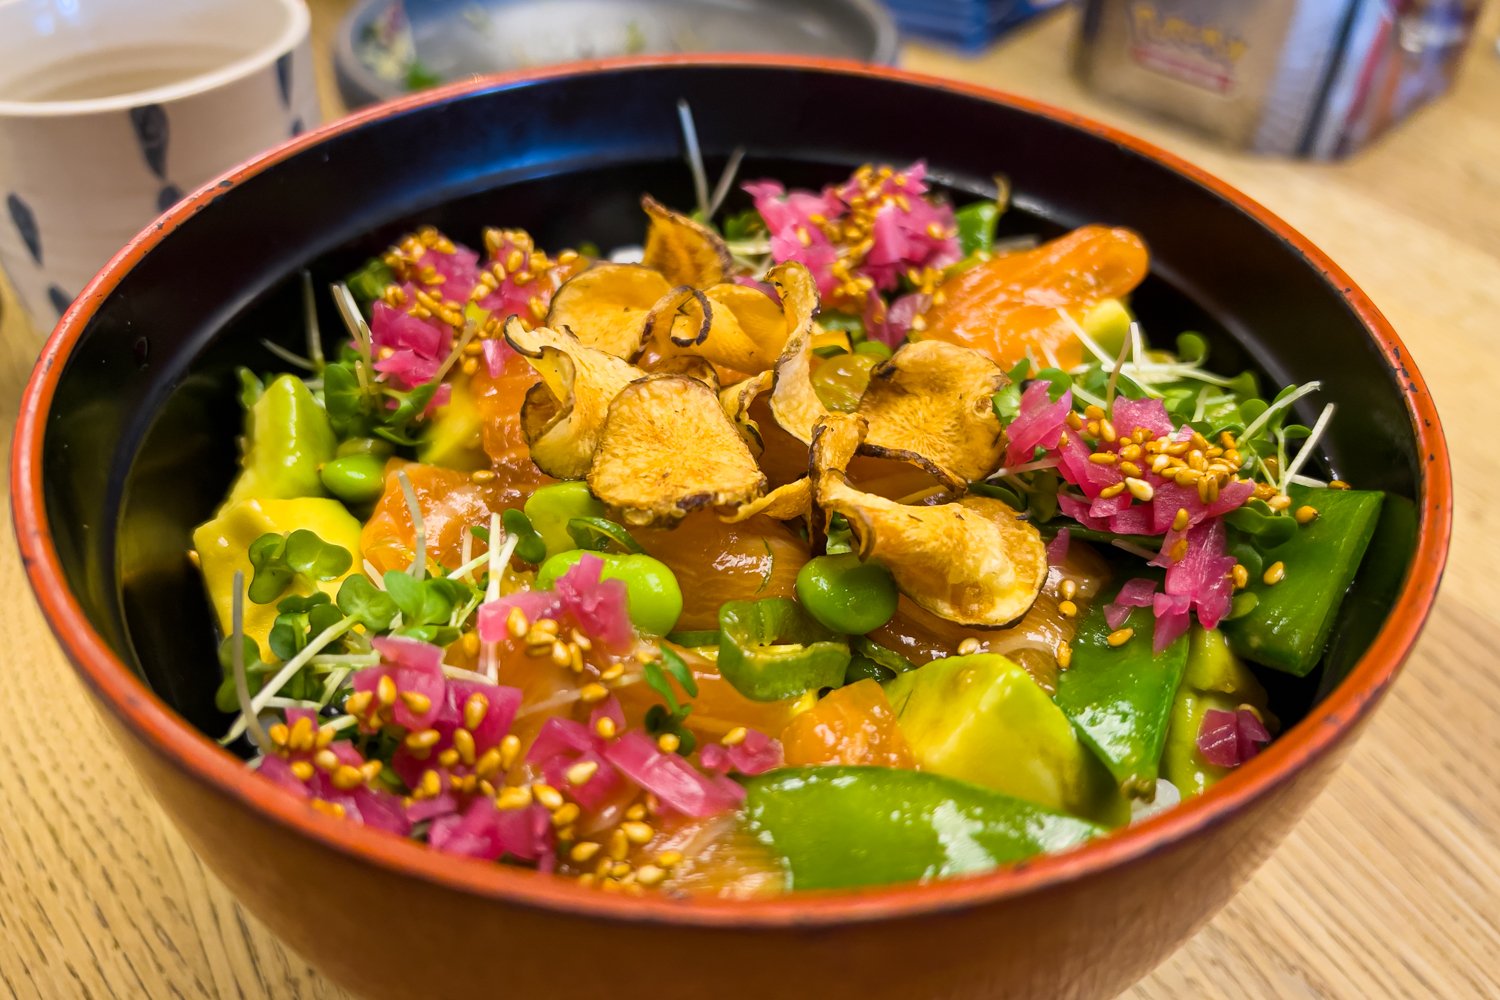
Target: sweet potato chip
{"type": "Point", "coordinates": [784, 503]}
{"type": "Point", "coordinates": [563, 416]}
{"type": "Point", "coordinates": [684, 364]}
{"type": "Point", "coordinates": [745, 330]}
{"type": "Point", "coordinates": [608, 306]}
{"type": "Point", "coordinates": [975, 561]}
{"type": "Point", "coordinates": [685, 252]}
{"type": "Point", "coordinates": [669, 448]}
{"type": "Point", "coordinates": [793, 402]}
{"type": "Point", "coordinates": [931, 405]}
{"type": "Point", "coordinates": [736, 400]}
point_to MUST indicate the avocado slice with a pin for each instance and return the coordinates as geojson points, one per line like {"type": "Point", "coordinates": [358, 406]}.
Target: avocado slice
{"type": "Point", "coordinates": [454, 435]}
{"type": "Point", "coordinates": [287, 440]}
{"type": "Point", "coordinates": [1214, 679]}
{"type": "Point", "coordinates": [983, 719]}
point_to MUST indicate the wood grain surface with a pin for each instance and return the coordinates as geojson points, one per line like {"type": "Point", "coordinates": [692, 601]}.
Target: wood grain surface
{"type": "Point", "coordinates": [1389, 888]}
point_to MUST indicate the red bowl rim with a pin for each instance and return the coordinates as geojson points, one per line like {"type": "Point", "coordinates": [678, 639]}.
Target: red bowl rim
{"type": "Point", "coordinates": [200, 758]}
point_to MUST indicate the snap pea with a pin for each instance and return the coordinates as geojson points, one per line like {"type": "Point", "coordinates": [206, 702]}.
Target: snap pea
{"type": "Point", "coordinates": [653, 597]}
{"type": "Point", "coordinates": [355, 479]}
{"type": "Point", "coordinates": [903, 825]}
{"type": "Point", "coordinates": [1119, 698]}
{"type": "Point", "coordinates": [847, 594]}
{"type": "Point", "coordinates": [1288, 627]}
{"type": "Point", "coordinates": [1214, 679]}
{"type": "Point", "coordinates": [874, 348]}
{"type": "Point", "coordinates": [551, 507]}
{"type": "Point", "coordinates": [976, 227]}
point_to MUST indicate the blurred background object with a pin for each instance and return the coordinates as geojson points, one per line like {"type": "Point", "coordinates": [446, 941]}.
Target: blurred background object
{"type": "Point", "coordinates": [386, 48]}
{"type": "Point", "coordinates": [111, 110]}
{"type": "Point", "coordinates": [968, 25]}
{"type": "Point", "coordinates": [1308, 78]}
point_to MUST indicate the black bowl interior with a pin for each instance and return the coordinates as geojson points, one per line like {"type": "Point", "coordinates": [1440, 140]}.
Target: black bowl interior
{"type": "Point", "coordinates": [140, 446]}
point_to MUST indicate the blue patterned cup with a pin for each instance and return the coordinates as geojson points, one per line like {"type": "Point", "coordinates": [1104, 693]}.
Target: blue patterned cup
{"type": "Point", "coordinates": [111, 110]}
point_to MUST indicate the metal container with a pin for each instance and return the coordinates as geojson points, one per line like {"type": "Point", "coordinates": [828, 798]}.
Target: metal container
{"type": "Point", "coordinates": [1308, 78]}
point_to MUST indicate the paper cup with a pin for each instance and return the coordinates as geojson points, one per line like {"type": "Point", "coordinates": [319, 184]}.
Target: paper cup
{"type": "Point", "coordinates": [111, 110]}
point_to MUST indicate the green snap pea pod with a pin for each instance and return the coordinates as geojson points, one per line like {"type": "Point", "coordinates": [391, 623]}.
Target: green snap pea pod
{"type": "Point", "coordinates": [841, 380]}
{"type": "Point", "coordinates": [770, 649]}
{"type": "Point", "coordinates": [355, 479]}
{"type": "Point", "coordinates": [655, 600]}
{"type": "Point", "coordinates": [976, 227]}
{"type": "Point", "coordinates": [287, 440]}
{"type": "Point", "coordinates": [1214, 679]}
{"type": "Point", "coordinates": [551, 507]}
{"type": "Point", "coordinates": [379, 447]}
{"type": "Point", "coordinates": [982, 718]}
{"type": "Point", "coordinates": [1288, 626]}
{"type": "Point", "coordinates": [1119, 698]}
{"type": "Point", "coordinates": [905, 826]}
{"type": "Point", "coordinates": [847, 594]}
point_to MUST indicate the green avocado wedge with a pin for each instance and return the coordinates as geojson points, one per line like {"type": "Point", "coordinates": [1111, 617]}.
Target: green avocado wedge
{"type": "Point", "coordinates": [899, 826]}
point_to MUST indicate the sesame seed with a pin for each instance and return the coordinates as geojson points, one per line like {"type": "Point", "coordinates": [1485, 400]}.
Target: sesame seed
{"type": "Point", "coordinates": [422, 739]}
{"type": "Point", "coordinates": [302, 770]}
{"type": "Point", "coordinates": [1104, 458]}
{"type": "Point", "coordinates": [1160, 462]}
{"type": "Point", "coordinates": [510, 797]}
{"type": "Point", "coordinates": [347, 778]}
{"type": "Point", "coordinates": [619, 845]}
{"type": "Point", "coordinates": [580, 640]}
{"type": "Point", "coordinates": [515, 622]}
{"type": "Point", "coordinates": [581, 772]}
{"type": "Point", "coordinates": [584, 851]}
{"type": "Point", "coordinates": [668, 742]}
{"type": "Point", "coordinates": [1140, 489]}
{"type": "Point", "coordinates": [482, 475]}
{"type": "Point", "coordinates": [303, 735]}
{"type": "Point", "coordinates": [559, 653]}
{"type": "Point", "coordinates": [591, 693]}
{"type": "Point", "coordinates": [510, 748]}
{"type": "Point", "coordinates": [575, 658]}
{"type": "Point", "coordinates": [1240, 575]}
{"type": "Point", "coordinates": [1180, 519]}
{"type": "Point", "coordinates": [469, 366]}
{"type": "Point", "coordinates": [734, 737]}
{"type": "Point", "coordinates": [488, 763]}
{"type": "Point", "coordinates": [325, 737]}
{"type": "Point", "coordinates": [279, 734]}
{"type": "Point", "coordinates": [1067, 609]}
{"type": "Point", "coordinates": [669, 859]}
{"type": "Point", "coordinates": [1130, 469]}
{"type": "Point", "coordinates": [605, 727]}
{"type": "Point", "coordinates": [357, 702]}
{"type": "Point", "coordinates": [1093, 412]}
{"type": "Point", "coordinates": [326, 760]}
{"type": "Point", "coordinates": [1112, 491]}
{"type": "Point", "coordinates": [1120, 636]}
{"type": "Point", "coordinates": [385, 691]}
{"type": "Point", "coordinates": [1107, 431]}
{"type": "Point", "coordinates": [418, 702]}
{"type": "Point", "coordinates": [1064, 656]}
{"type": "Point", "coordinates": [1068, 589]}
{"type": "Point", "coordinates": [547, 626]}
{"type": "Point", "coordinates": [637, 811]}
{"type": "Point", "coordinates": [448, 758]}
{"type": "Point", "coordinates": [463, 742]}
{"type": "Point", "coordinates": [330, 808]}
{"type": "Point", "coordinates": [1306, 514]}
{"type": "Point", "coordinates": [476, 707]}
{"type": "Point", "coordinates": [566, 814]}
{"type": "Point", "coordinates": [1338, 484]}
{"type": "Point", "coordinates": [430, 785]}
{"type": "Point", "coordinates": [1279, 502]}
{"type": "Point", "coordinates": [471, 643]}
{"type": "Point", "coordinates": [371, 769]}
{"type": "Point", "coordinates": [1274, 574]}
{"type": "Point", "coordinates": [547, 796]}
{"type": "Point", "coordinates": [968, 647]}
{"type": "Point", "coordinates": [637, 832]}
{"type": "Point", "coordinates": [649, 875]}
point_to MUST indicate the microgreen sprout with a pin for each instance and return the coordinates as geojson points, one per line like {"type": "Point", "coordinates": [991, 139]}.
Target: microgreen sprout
{"type": "Point", "coordinates": [237, 652]}
{"type": "Point", "coordinates": [418, 525]}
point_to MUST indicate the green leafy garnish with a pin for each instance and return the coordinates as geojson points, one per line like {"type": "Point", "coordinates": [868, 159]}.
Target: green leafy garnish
{"type": "Point", "coordinates": [279, 559]}
{"type": "Point", "coordinates": [669, 718]}
{"type": "Point", "coordinates": [597, 534]}
{"type": "Point", "coordinates": [370, 282]}
{"type": "Point", "coordinates": [299, 619]}
{"type": "Point", "coordinates": [367, 604]}
{"type": "Point", "coordinates": [529, 544]}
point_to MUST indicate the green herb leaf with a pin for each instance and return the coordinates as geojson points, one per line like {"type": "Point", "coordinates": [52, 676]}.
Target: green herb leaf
{"type": "Point", "coordinates": [529, 545]}
{"type": "Point", "coordinates": [597, 534]}
{"type": "Point", "coordinates": [369, 282]}
{"type": "Point", "coordinates": [1058, 382]}
{"type": "Point", "coordinates": [314, 558]}
{"type": "Point", "coordinates": [408, 593]}
{"type": "Point", "coordinates": [678, 669]}
{"type": "Point", "coordinates": [272, 575]}
{"type": "Point", "coordinates": [251, 387]}
{"type": "Point", "coordinates": [367, 604]}
{"type": "Point", "coordinates": [1192, 348]}
{"type": "Point", "coordinates": [657, 681]}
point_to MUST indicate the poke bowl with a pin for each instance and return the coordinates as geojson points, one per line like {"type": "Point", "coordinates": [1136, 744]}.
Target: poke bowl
{"type": "Point", "coordinates": [783, 556]}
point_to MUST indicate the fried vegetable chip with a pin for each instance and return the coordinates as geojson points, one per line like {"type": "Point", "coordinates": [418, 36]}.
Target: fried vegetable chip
{"type": "Point", "coordinates": [685, 364]}
{"type": "Point", "coordinates": [931, 405]}
{"type": "Point", "coordinates": [793, 402]}
{"type": "Point", "coordinates": [975, 561]}
{"type": "Point", "coordinates": [736, 400]}
{"type": "Point", "coordinates": [563, 416]}
{"type": "Point", "coordinates": [784, 503]}
{"type": "Point", "coordinates": [685, 252]}
{"type": "Point", "coordinates": [669, 448]}
{"type": "Point", "coordinates": [609, 306]}
{"type": "Point", "coordinates": [745, 331]}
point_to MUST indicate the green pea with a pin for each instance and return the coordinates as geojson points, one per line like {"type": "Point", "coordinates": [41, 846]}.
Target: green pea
{"type": "Point", "coordinates": [873, 347]}
{"type": "Point", "coordinates": [845, 594]}
{"type": "Point", "coordinates": [551, 507]}
{"type": "Point", "coordinates": [355, 479]}
{"type": "Point", "coordinates": [651, 591]}
{"type": "Point", "coordinates": [365, 446]}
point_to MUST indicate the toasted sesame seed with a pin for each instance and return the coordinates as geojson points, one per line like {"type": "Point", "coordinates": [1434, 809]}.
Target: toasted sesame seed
{"type": "Point", "coordinates": [1120, 636]}
{"type": "Point", "coordinates": [584, 851]}
{"type": "Point", "coordinates": [303, 735]}
{"type": "Point", "coordinates": [580, 640]}
{"type": "Point", "coordinates": [669, 859]}
{"type": "Point", "coordinates": [347, 778]}
{"type": "Point", "coordinates": [1240, 575]}
{"type": "Point", "coordinates": [560, 653]}
{"type": "Point", "coordinates": [418, 702]}
{"type": "Point", "coordinates": [463, 742]}
{"type": "Point", "coordinates": [302, 770]}
{"type": "Point", "coordinates": [357, 702]}
{"type": "Point", "coordinates": [1093, 411]}
{"type": "Point", "coordinates": [637, 811]}
{"type": "Point", "coordinates": [488, 763]}
{"type": "Point", "coordinates": [1160, 462]}
{"type": "Point", "coordinates": [619, 845]}
{"type": "Point", "coordinates": [515, 622]}
{"type": "Point", "coordinates": [581, 772]}
{"type": "Point", "coordinates": [1338, 484]}
{"type": "Point", "coordinates": [1130, 469]}
{"type": "Point", "coordinates": [1074, 420]}
{"type": "Point", "coordinates": [1068, 589]}
{"type": "Point", "coordinates": [605, 727]}
{"type": "Point", "coordinates": [1180, 519]}
{"type": "Point", "coordinates": [331, 808]}
{"type": "Point", "coordinates": [511, 796]}
{"type": "Point", "coordinates": [591, 693]}
{"type": "Point", "coordinates": [447, 758]}
{"type": "Point", "coordinates": [430, 785]}
{"type": "Point", "coordinates": [575, 658]}
{"type": "Point", "coordinates": [968, 647]}
{"type": "Point", "coordinates": [422, 739]}
{"type": "Point", "coordinates": [476, 707]}
{"type": "Point", "coordinates": [566, 814]}
{"type": "Point", "coordinates": [637, 832]}
{"type": "Point", "coordinates": [482, 475]}
{"type": "Point", "coordinates": [547, 796]}
{"type": "Point", "coordinates": [1107, 431]}
{"type": "Point", "coordinates": [326, 760]}
{"type": "Point", "coordinates": [1104, 458]}
{"type": "Point", "coordinates": [734, 737]}
{"type": "Point", "coordinates": [1274, 574]}
{"type": "Point", "coordinates": [1112, 491]}
{"type": "Point", "coordinates": [1067, 609]}
{"type": "Point", "coordinates": [1064, 656]}
{"type": "Point", "coordinates": [325, 737]}
{"type": "Point", "coordinates": [546, 625]}
{"type": "Point", "coordinates": [279, 733]}
{"type": "Point", "coordinates": [469, 366]}
{"type": "Point", "coordinates": [668, 742]}
{"type": "Point", "coordinates": [1305, 514]}
{"type": "Point", "coordinates": [471, 643]}
{"type": "Point", "coordinates": [385, 691]}
{"type": "Point", "coordinates": [1140, 489]}
{"type": "Point", "coordinates": [510, 748]}
{"type": "Point", "coordinates": [1279, 502]}
{"type": "Point", "coordinates": [650, 875]}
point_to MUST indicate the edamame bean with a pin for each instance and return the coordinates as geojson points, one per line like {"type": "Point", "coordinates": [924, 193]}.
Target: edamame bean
{"type": "Point", "coordinates": [874, 348]}
{"type": "Point", "coordinates": [355, 479]}
{"type": "Point", "coordinates": [551, 507]}
{"type": "Point", "coordinates": [846, 594]}
{"type": "Point", "coordinates": [654, 599]}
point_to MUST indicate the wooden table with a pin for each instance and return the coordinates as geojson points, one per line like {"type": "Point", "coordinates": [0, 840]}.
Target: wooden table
{"type": "Point", "coordinates": [1389, 887]}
